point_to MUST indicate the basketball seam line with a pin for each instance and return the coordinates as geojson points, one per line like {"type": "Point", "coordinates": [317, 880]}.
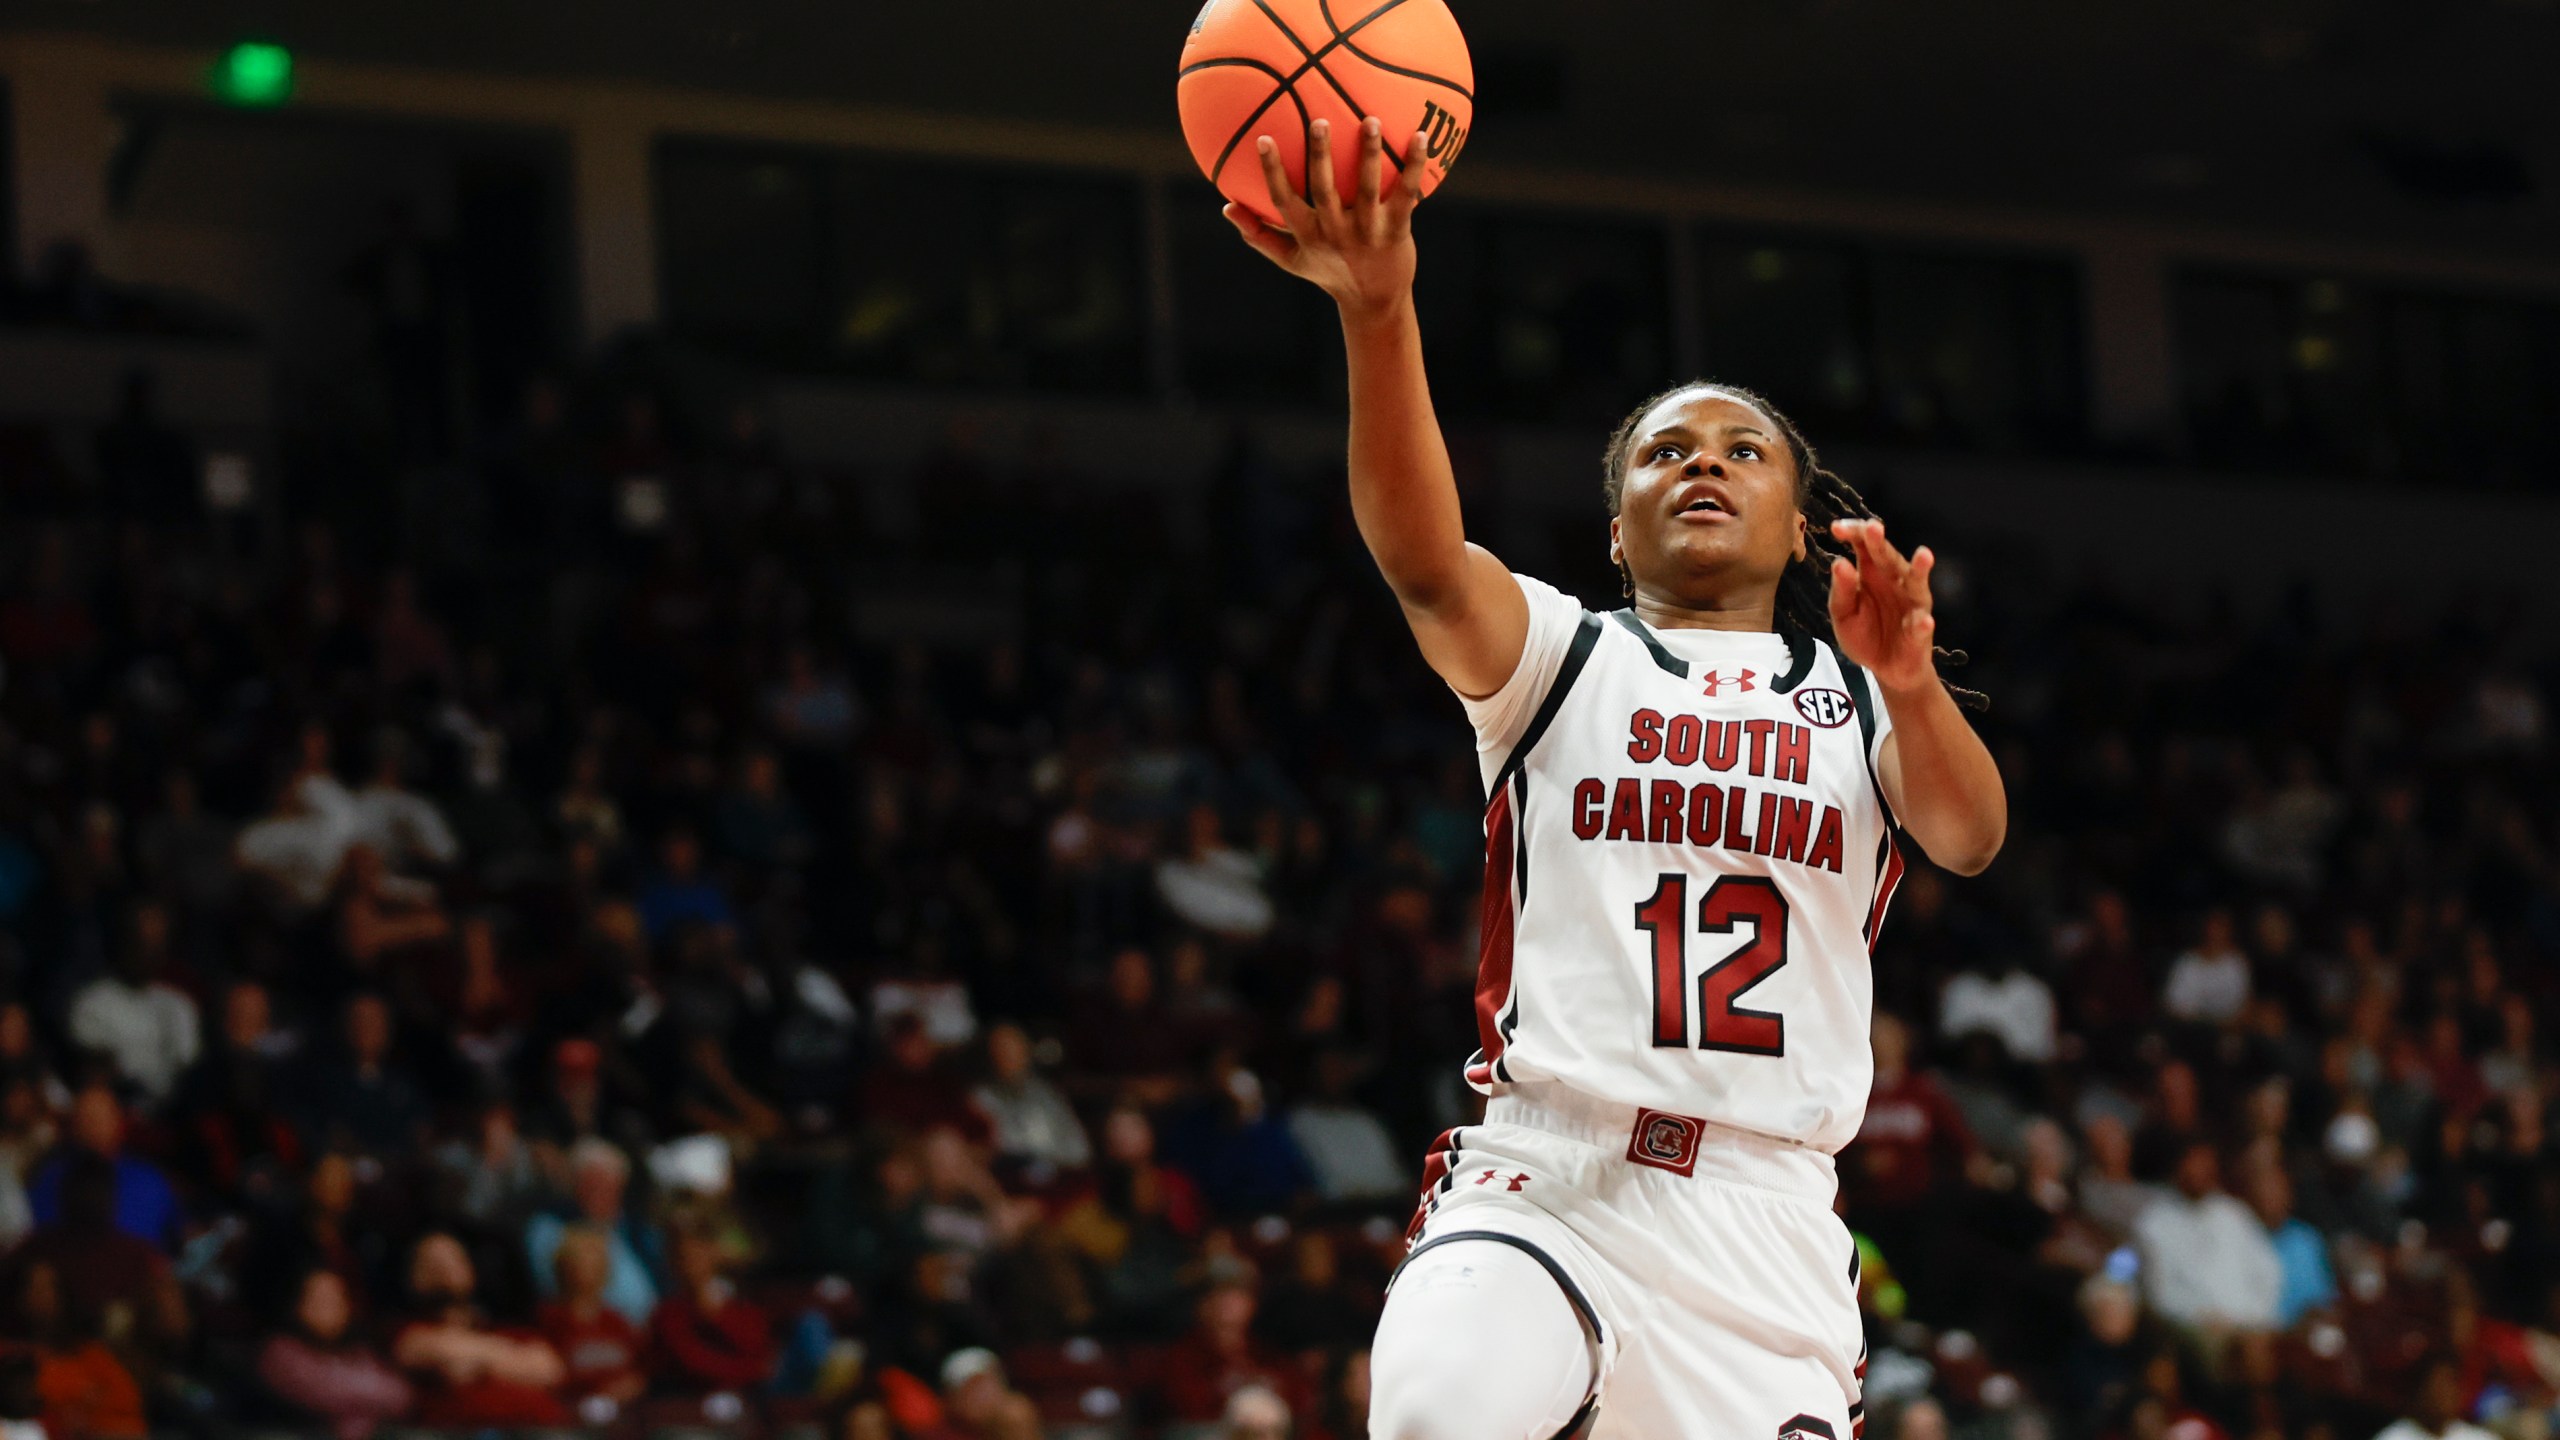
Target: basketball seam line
{"type": "Point", "coordinates": [1325, 8]}
{"type": "Point", "coordinates": [1286, 86]}
{"type": "Point", "coordinates": [1289, 86]}
{"type": "Point", "coordinates": [1317, 61]}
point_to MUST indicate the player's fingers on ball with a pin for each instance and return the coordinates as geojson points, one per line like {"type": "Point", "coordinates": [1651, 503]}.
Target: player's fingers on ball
{"type": "Point", "coordinates": [1275, 178]}
{"type": "Point", "coordinates": [1321, 195]}
{"type": "Point", "coordinates": [1373, 162]}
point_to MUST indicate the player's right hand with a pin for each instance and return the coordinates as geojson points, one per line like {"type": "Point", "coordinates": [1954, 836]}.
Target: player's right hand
{"type": "Point", "coordinates": [1358, 251]}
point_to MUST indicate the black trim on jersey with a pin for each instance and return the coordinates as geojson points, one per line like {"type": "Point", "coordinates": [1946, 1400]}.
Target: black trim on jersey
{"type": "Point", "coordinates": [1580, 1424]}
{"type": "Point", "coordinates": [1800, 653]}
{"type": "Point", "coordinates": [1585, 636]}
{"type": "Point", "coordinates": [1856, 1263]}
{"type": "Point", "coordinates": [1520, 833]}
{"type": "Point", "coordinates": [1661, 656]}
{"type": "Point", "coordinates": [1863, 701]}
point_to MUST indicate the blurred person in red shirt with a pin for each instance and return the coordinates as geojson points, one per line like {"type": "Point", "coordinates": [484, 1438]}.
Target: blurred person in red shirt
{"type": "Point", "coordinates": [470, 1375]}
{"type": "Point", "coordinates": [1204, 1369]}
{"type": "Point", "coordinates": [705, 1337]}
{"type": "Point", "coordinates": [84, 1391]}
{"type": "Point", "coordinates": [911, 1091]}
{"type": "Point", "coordinates": [602, 1350]}
{"type": "Point", "coordinates": [1912, 1138]}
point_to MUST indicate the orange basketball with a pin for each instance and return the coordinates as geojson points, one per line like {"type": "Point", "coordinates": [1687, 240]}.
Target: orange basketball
{"type": "Point", "coordinates": [1268, 67]}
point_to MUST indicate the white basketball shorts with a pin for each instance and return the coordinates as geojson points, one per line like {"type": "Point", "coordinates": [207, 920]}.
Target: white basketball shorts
{"type": "Point", "coordinates": [1715, 1283]}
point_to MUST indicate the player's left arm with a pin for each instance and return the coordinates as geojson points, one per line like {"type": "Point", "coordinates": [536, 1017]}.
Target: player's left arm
{"type": "Point", "coordinates": [1943, 783]}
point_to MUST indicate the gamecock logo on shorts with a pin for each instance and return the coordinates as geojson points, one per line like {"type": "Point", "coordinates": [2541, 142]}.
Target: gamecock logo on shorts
{"type": "Point", "coordinates": [1665, 1142]}
{"type": "Point", "coordinates": [1808, 1427]}
{"type": "Point", "coordinates": [1829, 709]}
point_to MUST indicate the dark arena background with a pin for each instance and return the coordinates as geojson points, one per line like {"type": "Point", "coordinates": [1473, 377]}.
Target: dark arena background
{"type": "Point", "coordinates": [693, 741]}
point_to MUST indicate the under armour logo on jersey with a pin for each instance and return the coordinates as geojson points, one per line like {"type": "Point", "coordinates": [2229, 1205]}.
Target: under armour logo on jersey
{"type": "Point", "coordinates": [1515, 1181]}
{"type": "Point", "coordinates": [1717, 680]}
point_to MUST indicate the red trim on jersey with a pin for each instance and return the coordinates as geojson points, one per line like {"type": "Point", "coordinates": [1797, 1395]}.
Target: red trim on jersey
{"type": "Point", "coordinates": [1890, 881]}
{"type": "Point", "coordinates": [1435, 1173]}
{"type": "Point", "coordinates": [1493, 957]}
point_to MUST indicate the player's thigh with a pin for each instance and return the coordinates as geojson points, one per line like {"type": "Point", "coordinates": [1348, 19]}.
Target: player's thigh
{"type": "Point", "coordinates": [1686, 1380]}
{"type": "Point", "coordinates": [1477, 1343]}
{"type": "Point", "coordinates": [1750, 1325]}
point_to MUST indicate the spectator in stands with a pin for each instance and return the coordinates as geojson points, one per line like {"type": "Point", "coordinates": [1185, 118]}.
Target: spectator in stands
{"type": "Point", "coordinates": [322, 1230]}
{"type": "Point", "coordinates": [82, 1388]}
{"type": "Point", "coordinates": [469, 1375]}
{"type": "Point", "coordinates": [979, 1402]}
{"type": "Point", "coordinates": [146, 1206]}
{"type": "Point", "coordinates": [100, 1270]}
{"type": "Point", "coordinates": [599, 1190]}
{"type": "Point", "coordinates": [912, 1090]}
{"type": "Point", "coordinates": [500, 1183]}
{"type": "Point", "coordinates": [2102, 1372]}
{"type": "Point", "coordinates": [1311, 1310]}
{"type": "Point", "coordinates": [1240, 1153]}
{"type": "Point", "coordinates": [1204, 1370]}
{"type": "Point", "coordinates": [404, 827]}
{"type": "Point", "coordinates": [1211, 885]}
{"type": "Point", "coordinates": [134, 1016]}
{"type": "Point", "coordinates": [2209, 984]}
{"type": "Point", "coordinates": [1910, 1144]}
{"type": "Point", "coordinates": [386, 920]}
{"type": "Point", "coordinates": [2302, 1255]}
{"type": "Point", "coordinates": [757, 823]}
{"type": "Point", "coordinates": [363, 1099]}
{"type": "Point", "coordinates": [1035, 1128]}
{"type": "Point", "coordinates": [581, 1105]}
{"type": "Point", "coordinates": [231, 1111]}
{"type": "Point", "coordinates": [706, 1337]}
{"type": "Point", "coordinates": [2436, 1412]}
{"type": "Point", "coordinates": [1346, 1145]}
{"type": "Point", "coordinates": [318, 1372]}
{"type": "Point", "coordinates": [680, 891]}
{"type": "Point", "coordinates": [602, 1350]}
{"type": "Point", "coordinates": [2207, 1263]}
{"type": "Point", "coordinates": [294, 851]}
{"type": "Point", "coordinates": [1121, 1043]}
{"type": "Point", "coordinates": [184, 853]}
{"type": "Point", "coordinates": [1256, 1413]}
{"type": "Point", "coordinates": [1997, 995]}
{"type": "Point", "coordinates": [1135, 1229]}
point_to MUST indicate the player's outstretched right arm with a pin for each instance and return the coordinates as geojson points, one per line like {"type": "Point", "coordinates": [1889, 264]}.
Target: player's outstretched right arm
{"type": "Point", "coordinates": [1463, 604]}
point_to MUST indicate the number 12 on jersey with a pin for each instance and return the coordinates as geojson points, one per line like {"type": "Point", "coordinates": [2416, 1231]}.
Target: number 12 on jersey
{"type": "Point", "coordinates": [1722, 1024]}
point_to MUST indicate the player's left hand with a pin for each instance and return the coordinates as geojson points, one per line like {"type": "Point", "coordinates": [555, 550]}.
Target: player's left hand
{"type": "Point", "coordinates": [1880, 606]}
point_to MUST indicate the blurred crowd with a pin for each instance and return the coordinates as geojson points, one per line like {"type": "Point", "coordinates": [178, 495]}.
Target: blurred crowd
{"type": "Point", "coordinates": [689, 941]}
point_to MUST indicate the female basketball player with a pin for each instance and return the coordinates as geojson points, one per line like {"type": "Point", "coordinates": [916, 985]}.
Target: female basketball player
{"type": "Point", "coordinates": [1690, 842]}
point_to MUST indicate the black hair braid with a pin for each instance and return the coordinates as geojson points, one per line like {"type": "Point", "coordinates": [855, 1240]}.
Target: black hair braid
{"type": "Point", "coordinates": [1804, 590]}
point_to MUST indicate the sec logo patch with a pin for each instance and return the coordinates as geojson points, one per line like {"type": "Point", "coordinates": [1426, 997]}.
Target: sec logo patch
{"type": "Point", "coordinates": [1829, 709]}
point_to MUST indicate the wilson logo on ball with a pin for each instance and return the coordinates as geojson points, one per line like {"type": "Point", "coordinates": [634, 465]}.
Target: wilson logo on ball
{"type": "Point", "coordinates": [1443, 135]}
{"type": "Point", "coordinates": [1829, 709]}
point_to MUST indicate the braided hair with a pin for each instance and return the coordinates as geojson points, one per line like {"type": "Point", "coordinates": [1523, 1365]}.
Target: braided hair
{"type": "Point", "coordinates": [1804, 590]}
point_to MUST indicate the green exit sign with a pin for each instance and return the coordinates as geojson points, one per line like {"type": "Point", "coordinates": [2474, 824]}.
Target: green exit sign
{"type": "Point", "coordinates": [253, 73]}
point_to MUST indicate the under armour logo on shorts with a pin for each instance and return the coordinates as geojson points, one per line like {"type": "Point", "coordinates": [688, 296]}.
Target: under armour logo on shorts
{"type": "Point", "coordinates": [1516, 1181]}
{"type": "Point", "coordinates": [1665, 1142]}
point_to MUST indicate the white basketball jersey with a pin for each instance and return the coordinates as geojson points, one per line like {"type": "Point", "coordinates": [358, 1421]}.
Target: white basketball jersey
{"type": "Point", "coordinates": [1687, 858]}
